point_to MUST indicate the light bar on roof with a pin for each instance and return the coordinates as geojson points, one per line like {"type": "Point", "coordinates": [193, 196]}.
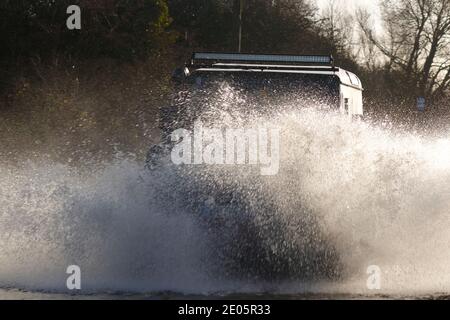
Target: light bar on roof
{"type": "Point", "coordinates": [262, 58]}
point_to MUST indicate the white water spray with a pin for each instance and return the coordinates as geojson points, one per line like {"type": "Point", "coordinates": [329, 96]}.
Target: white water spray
{"type": "Point", "coordinates": [375, 198]}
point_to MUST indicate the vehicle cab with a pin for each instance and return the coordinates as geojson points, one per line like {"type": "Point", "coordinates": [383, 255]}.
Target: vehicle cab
{"type": "Point", "coordinates": [312, 79]}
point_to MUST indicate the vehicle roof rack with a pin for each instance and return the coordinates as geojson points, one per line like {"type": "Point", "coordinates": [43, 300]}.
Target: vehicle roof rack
{"type": "Point", "coordinates": [205, 59]}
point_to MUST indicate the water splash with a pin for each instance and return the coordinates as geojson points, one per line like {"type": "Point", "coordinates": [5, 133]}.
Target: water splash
{"type": "Point", "coordinates": [348, 195]}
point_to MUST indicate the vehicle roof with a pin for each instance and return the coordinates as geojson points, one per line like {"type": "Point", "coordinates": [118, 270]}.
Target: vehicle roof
{"type": "Point", "coordinates": [346, 78]}
{"type": "Point", "coordinates": [271, 63]}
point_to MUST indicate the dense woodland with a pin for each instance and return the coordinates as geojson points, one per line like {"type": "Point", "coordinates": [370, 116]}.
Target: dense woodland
{"type": "Point", "coordinates": [97, 90]}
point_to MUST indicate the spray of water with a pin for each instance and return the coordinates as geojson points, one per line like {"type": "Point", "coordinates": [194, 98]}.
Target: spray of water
{"type": "Point", "coordinates": [348, 195]}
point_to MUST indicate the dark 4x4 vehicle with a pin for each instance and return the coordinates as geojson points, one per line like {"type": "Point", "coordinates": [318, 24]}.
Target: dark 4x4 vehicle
{"type": "Point", "coordinates": [234, 203]}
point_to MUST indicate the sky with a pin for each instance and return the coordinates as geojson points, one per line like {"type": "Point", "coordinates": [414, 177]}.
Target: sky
{"type": "Point", "coordinates": [353, 5]}
{"type": "Point", "coordinates": [372, 5]}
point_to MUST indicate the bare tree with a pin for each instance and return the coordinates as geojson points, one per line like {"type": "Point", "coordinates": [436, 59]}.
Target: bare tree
{"type": "Point", "coordinates": [338, 26]}
{"type": "Point", "coordinates": [416, 42]}
{"type": "Point", "coordinates": [367, 53]}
